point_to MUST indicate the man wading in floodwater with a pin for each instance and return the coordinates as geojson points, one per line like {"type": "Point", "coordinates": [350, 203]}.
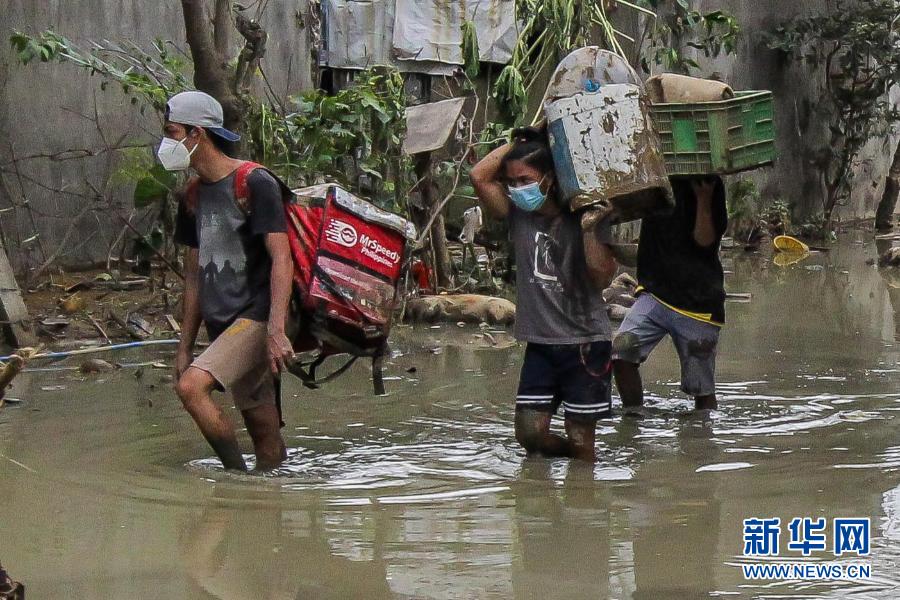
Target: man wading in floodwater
{"type": "Point", "coordinates": [560, 311]}
{"type": "Point", "coordinates": [681, 293]}
{"type": "Point", "coordinates": [241, 292]}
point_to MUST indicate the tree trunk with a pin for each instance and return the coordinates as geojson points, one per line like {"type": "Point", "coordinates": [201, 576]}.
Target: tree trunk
{"type": "Point", "coordinates": [439, 254]}
{"type": "Point", "coordinates": [211, 72]}
{"type": "Point", "coordinates": [884, 216]}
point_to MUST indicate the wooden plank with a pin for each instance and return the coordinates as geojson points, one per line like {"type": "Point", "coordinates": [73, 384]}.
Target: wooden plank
{"type": "Point", "coordinates": [13, 312]}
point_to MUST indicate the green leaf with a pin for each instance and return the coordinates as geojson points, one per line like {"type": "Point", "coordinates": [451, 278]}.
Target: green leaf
{"type": "Point", "coordinates": [149, 191]}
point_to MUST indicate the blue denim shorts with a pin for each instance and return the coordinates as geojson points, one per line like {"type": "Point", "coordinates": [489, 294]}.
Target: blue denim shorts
{"type": "Point", "coordinates": [649, 321]}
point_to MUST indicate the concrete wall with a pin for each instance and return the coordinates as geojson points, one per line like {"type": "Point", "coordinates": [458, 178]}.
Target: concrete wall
{"type": "Point", "coordinates": [797, 92]}
{"type": "Point", "coordinates": [43, 110]}
{"type": "Point", "coordinates": [42, 107]}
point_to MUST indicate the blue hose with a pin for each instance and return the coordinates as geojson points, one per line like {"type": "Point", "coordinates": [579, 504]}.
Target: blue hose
{"type": "Point", "coordinates": [98, 349]}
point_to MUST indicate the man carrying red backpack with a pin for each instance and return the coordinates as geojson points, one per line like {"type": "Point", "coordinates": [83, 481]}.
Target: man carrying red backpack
{"type": "Point", "coordinates": [238, 281]}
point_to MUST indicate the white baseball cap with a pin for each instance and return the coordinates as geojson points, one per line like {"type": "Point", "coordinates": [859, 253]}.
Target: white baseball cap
{"type": "Point", "coordinates": [200, 110]}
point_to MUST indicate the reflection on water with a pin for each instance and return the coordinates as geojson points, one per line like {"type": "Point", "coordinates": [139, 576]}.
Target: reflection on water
{"type": "Point", "coordinates": [108, 492]}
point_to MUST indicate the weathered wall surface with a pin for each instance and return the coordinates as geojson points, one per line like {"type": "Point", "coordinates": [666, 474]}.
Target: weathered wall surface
{"type": "Point", "coordinates": [51, 108]}
{"type": "Point", "coordinates": [797, 92]}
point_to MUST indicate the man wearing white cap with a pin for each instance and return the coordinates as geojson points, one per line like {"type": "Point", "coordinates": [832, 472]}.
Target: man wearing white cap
{"type": "Point", "coordinates": [238, 278]}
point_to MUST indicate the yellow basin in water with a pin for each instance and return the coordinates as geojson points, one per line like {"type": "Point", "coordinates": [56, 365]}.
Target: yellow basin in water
{"type": "Point", "coordinates": [786, 243]}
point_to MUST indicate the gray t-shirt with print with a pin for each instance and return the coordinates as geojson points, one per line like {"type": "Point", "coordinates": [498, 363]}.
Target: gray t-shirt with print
{"type": "Point", "coordinates": [235, 265]}
{"type": "Point", "coordinates": [556, 301]}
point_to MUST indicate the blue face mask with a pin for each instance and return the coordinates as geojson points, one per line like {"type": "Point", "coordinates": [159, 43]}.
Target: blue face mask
{"type": "Point", "coordinates": [528, 197]}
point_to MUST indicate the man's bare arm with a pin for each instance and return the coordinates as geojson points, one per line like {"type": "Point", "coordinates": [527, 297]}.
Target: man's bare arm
{"type": "Point", "coordinates": [282, 277]}
{"type": "Point", "coordinates": [485, 178]}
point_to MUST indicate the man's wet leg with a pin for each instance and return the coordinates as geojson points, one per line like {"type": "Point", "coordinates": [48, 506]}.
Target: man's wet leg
{"type": "Point", "coordinates": [533, 433]}
{"type": "Point", "coordinates": [264, 426]}
{"type": "Point", "coordinates": [582, 435]}
{"type": "Point", "coordinates": [707, 402]}
{"type": "Point", "coordinates": [194, 388]}
{"type": "Point", "coordinates": [629, 384]}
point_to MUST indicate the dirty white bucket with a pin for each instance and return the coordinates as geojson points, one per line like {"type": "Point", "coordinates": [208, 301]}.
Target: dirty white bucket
{"type": "Point", "coordinates": [607, 154]}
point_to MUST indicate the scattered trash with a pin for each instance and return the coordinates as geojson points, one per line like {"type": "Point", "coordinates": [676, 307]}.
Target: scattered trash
{"type": "Point", "coordinates": [173, 323]}
{"type": "Point", "coordinates": [84, 284]}
{"type": "Point", "coordinates": [472, 224]}
{"type": "Point", "coordinates": [159, 365]}
{"type": "Point", "coordinates": [786, 243]}
{"type": "Point", "coordinates": [73, 304]}
{"type": "Point", "coordinates": [96, 365]}
{"type": "Point", "coordinates": [9, 589]}
{"type": "Point", "coordinates": [465, 308]}
{"type": "Point", "coordinates": [56, 323]}
{"type": "Point", "coordinates": [890, 258]}
{"type": "Point", "coordinates": [99, 328]}
{"type": "Point", "coordinates": [52, 388]}
{"type": "Point", "coordinates": [13, 366]}
{"type": "Point", "coordinates": [814, 268]}
{"type": "Point", "coordinates": [738, 296]}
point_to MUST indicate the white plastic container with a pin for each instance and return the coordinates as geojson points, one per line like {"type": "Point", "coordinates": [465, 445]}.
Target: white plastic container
{"type": "Point", "coordinates": [606, 152]}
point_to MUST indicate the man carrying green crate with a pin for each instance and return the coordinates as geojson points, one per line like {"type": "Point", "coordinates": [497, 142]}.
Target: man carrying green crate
{"type": "Point", "coordinates": [681, 293]}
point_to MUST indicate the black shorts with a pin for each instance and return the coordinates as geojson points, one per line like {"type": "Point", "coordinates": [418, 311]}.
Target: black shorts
{"type": "Point", "coordinates": [576, 376]}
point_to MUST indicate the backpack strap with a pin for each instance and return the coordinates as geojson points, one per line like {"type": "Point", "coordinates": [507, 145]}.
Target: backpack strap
{"type": "Point", "coordinates": [241, 187]}
{"type": "Point", "coordinates": [189, 195]}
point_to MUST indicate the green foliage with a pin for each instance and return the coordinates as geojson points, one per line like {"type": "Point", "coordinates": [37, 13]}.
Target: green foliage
{"type": "Point", "coordinates": [153, 78]}
{"type": "Point", "coordinates": [510, 92]}
{"type": "Point", "coordinates": [743, 207]}
{"type": "Point", "coordinates": [470, 51]}
{"type": "Point", "coordinates": [749, 214]}
{"type": "Point", "coordinates": [678, 27]}
{"type": "Point", "coordinates": [154, 187]}
{"type": "Point", "coordinates": [354, 138]}
{"type": "Point", "coordinates": [856, 52]}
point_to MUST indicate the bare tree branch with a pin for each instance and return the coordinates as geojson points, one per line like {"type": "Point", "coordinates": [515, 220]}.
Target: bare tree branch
{"type": "Point", "coordinates": [253, 51]}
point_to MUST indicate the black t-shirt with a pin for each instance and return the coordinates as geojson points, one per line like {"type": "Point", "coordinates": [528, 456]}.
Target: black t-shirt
{"type": "Point", "coordinates": [673, 267]}
{"type": "Point", "coordinates": [235, 265]}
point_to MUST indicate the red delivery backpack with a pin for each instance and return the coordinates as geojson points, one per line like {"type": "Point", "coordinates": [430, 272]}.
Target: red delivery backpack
{"type": "Point", "coordinates": [350, 261]}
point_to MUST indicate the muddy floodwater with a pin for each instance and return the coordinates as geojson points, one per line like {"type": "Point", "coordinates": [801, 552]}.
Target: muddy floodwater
{"type": "Point", "coordinates": [108, 491]}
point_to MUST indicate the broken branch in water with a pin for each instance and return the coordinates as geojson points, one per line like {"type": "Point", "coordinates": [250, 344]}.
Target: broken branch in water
{"type": "Point", "coordinates": [13, 366]}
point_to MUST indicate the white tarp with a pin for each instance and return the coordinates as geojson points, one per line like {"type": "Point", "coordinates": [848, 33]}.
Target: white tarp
{"type": "Point", "coordinates": [431, 30]}
{"type": "Point", "coordinates": [358, 34]}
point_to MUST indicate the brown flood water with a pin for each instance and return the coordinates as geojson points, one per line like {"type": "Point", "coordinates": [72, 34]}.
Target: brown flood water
{"type": "Point", "coordinates": [108, 492]}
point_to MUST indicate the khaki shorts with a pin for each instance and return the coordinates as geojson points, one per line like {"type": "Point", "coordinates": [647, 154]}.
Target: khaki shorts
{"type": "Point", "coordinates": [239, 362]}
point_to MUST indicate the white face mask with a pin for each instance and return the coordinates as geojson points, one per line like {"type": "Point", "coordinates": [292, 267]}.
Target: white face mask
{"type": "Point", "coordinates": [174, 155]}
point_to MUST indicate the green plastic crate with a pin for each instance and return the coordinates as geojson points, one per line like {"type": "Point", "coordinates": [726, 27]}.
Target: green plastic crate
{"type": "Point", "coordinates": [727, 136]}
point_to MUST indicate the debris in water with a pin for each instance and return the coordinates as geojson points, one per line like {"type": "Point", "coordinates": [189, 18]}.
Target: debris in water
{"type": "Point", "coordinates": [96, 365]}
{"type": "Point", "coordinates": [738, 296]}
{"type": "Point", "coordinates": [891, 258]}
{"type": "Point", "coordinates": [73, 304]}
{"type": "Point", "coordinates": [14, 365]}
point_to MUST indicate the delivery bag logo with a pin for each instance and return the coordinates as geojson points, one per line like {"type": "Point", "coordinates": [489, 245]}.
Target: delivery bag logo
{"type": "Point", "coordinates": [341, 233]}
